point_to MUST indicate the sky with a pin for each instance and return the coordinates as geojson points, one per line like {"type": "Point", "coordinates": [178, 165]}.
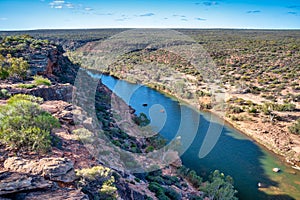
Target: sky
{"type": "Point", "coordinates": [70, 14]}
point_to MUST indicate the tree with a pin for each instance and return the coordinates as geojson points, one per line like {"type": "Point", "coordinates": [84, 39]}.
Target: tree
{"type": "Point", "coordinates": [219, 187]}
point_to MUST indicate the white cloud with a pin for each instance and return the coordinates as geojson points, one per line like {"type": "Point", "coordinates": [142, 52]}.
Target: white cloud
{"type": "Point", "coordinates": [60, 4]}
{"type": "Point", "coordinates": [3, 18]}
{"type": "Point", "coordinates": [57, 4]}
{"type": "Point", "coordinates": [88, 9]}
{"type": "Point", "coordinates": [69, 5]}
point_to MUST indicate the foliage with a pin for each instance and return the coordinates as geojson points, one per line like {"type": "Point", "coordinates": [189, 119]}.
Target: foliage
{"type": "Point", "coordinates": [4, 93]}
{"type": "Point", "coordinates": [266, 107]}
{"type": "Point", "coordinates": [39, 80]}
{"type": "Point", "coordinates": [94, 172]}
{"type": "Point", "coordinates": [84, 135]}
{"type": "Point", "coordinates": [11, 67]}
{"type": "Point", "coordinates": [98, 182]}
{"type": "Point", "coordinates": [108, 189]}
{"type": "Point", "coordinates": [141, 120]}
{"type": "Point", "coordinates": [26, 97]}
{"type": "Point", "coordinates": [295, 128]}
{"type": "Point", "coordinates": [161, 192]}
{"type": "Point", "coordinates": [24, 125]}
{"type": "Point", "coordinates": [219, 187]}
{"type": "Point", "coordinates": [190, 175]}
{"type": "Point", "coordinates": [26, 86]}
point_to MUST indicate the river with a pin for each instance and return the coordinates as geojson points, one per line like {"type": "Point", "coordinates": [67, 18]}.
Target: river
{"type": "Point", "coordinates": [234, 153]}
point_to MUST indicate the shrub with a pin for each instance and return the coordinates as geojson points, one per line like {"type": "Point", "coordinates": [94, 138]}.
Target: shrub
{"type": "Point", "coordinates": [141, 120]}
{"type": "Point", "coordinates": [94, 172]}
{"type": "Point", "coordinates": [39, 80]}
{"type": "Point", "coordinates": [4, 94]}
{"type": "Point", "coordinates": [219, 187]}
{"type": "Point", "coordinates": [27, 86]}
{"type": "Point", "coordinates": [149, 149]}
{"type": "Point", "coordinates": [24, 125]}
{"type": "Point", "coordinates": [25, 97]}
{"type": "Point", "coordinates": [14, 67]}
{"type": "Point", "coordinates": [172, 194]}
{"type": "Point", "coordinates": [295, 128]}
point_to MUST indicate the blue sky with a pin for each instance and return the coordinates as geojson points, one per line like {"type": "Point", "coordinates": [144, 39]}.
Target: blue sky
{"type": "Point", "coordinates": [60, 14]}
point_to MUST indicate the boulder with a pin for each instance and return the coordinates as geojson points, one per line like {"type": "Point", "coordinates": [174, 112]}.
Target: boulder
{"type": "Point", "coordinates": [58, 169]}
{"type": "Point", "coordinates": [55, 169]}
{"type": "Point", "coordinates": [14, 182]}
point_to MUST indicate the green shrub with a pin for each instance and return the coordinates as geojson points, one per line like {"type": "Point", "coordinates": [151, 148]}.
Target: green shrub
{"type": "Point", "coordinates": [149, 149]}
{"type": "Point", "coordinates": [25, 97]}
{"type": "Point", "coordinates": [23, 124]}
{"type": "Point", "coordinates": [220, 187]}
{"type": "Point", "coordinates": [27, 86]}
{"type": "Point", "coordinates": [39, 80]}
{"type": "Point", "coordinates": [295, 128]}
{"type": "Point", "coordinates": [4, 94]}
{"type": "Point", "coordinates": [172, 194]}
{"type": "Point", "coordinates": [94, 172]}
{"type": "Point", "coordinates": [3, 73]}
{"type": "Point", "coordinates": [14, 67]}
{"type": "Point", "coordinates": [141, 120]}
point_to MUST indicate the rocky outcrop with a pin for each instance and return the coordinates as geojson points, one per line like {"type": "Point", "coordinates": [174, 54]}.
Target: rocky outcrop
{"type": "Point", "coordinates": [128, 193]}
{"type": "Point", "coordinates": [60, 194]}
{"type": "Point", "coordinates": [14, 182]}
{"type": "Point", "coordinates": [55, 92]}
{"type": "Point", "coordinates": [55, 169]}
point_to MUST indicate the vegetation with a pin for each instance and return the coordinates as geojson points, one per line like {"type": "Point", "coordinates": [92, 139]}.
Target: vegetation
{"type": "Point", "coordinates": [191, 176]}
{"type": "Point", "coordinates": [219, 187]}
{"type": "Point", "coordinates": [295, 128]}
{"type": "Point", "coordinates": [11, 67]}
{"type": "Point", "coordinates": [26, 85]}
{"type": "Point", "coordinates": [99, 181]}
{"type": "Point", "coordinates": [4, 94]}
{"type": "Point", "coordinates": [24, 125]}
{"type": "Point", "coordinates": [39, 80]}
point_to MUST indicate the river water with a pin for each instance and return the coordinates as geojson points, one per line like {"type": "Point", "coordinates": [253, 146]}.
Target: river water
{"type": "Point", "coordinates": [234, 153]}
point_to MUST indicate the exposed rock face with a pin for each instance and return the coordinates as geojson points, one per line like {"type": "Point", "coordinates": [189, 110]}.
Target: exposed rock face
{"type": "Point", "coordinates": [60, 66]}
{"type": "Point", "coordinates": [14, 182]}
{"type": "Point", "coordinates": [55, 169]}
{"type": "Point", "coordinates": [56, 92]}
{"type": "Point", "coordinates": [61, 194]}
{"type": "Point", "coordinates": [129, 193]}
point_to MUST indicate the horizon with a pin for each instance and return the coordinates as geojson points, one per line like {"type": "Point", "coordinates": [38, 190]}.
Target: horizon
{"type": "Point", "coordinates": [27, 15]}
{"type": "Point", "coordinates": [79, 29]}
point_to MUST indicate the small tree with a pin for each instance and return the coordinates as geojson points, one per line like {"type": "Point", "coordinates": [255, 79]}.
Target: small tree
{"type": "Point", "coordinates": [219, 187]}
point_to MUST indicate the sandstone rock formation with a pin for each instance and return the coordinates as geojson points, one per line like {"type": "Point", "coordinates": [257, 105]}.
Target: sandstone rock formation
{"type": "Point", "coordinates": [55, 169]}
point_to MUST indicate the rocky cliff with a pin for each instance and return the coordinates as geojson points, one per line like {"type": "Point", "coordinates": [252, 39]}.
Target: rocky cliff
{"type": "Point", "coordinates": [69, 171]}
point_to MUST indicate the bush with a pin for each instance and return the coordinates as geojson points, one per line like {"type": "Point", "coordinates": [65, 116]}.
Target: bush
{"type": "Point", "coordinates": [149, 149]}
{"type": "Point", "coordinates": [24, 125]}
{"type": "Point", "coordinates": [4, 93]}
{"type": "Point", "coordinates": [219, 187]}
{"type": "Point", "coordinates": [39, 80]}
{"type": "Point", "coordinates": [25, 97]}
{"type": "Point", "coordinates": [172, 194]}
{"type": "Point", "coordinates": [27, 86]}
{"type": "Point", "coordinates": [295, 128]}
{"type": "Point", "coordinates": [13, 67]}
